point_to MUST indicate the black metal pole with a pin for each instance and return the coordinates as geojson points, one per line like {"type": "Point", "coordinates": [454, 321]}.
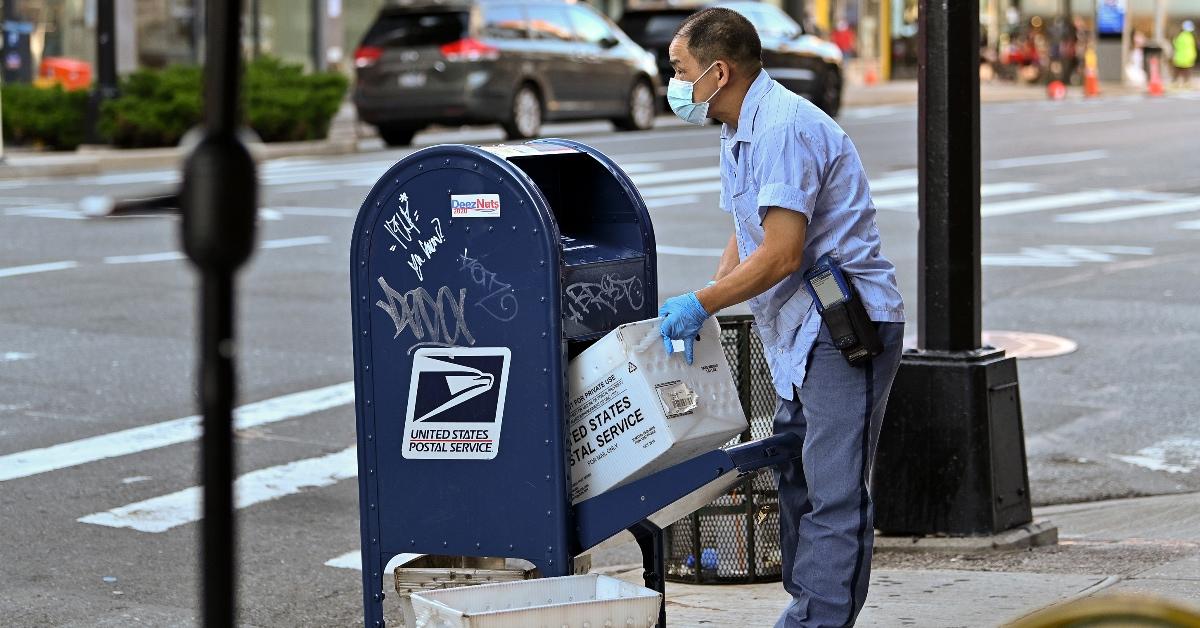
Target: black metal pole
{"type": "Point", "coordinates": [106, 66]}
{"type": "Point", "coordinates": [219, 201]}
{"type": "Point", "coordinates": [951, 456]}
{"type": "Point", "coordinates": [949, 309]}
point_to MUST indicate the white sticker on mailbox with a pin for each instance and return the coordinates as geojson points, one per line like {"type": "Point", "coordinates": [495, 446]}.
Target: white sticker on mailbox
{"type": "Point", "coordinates": [474, 205]}
{"type": "Point", "coordinates": [456, 403]}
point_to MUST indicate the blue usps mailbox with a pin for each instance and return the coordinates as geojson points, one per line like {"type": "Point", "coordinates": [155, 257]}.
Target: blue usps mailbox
{"type": "Point", "coordinates": [476, 274]}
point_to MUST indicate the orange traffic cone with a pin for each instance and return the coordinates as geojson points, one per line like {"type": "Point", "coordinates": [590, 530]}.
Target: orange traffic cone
{"type": "Point", "coordinates": [1155, 86]}
{"type": "Point", "coordinates": [1091, 82]}
{"type": "Point", "coordinates": [1056, 90]}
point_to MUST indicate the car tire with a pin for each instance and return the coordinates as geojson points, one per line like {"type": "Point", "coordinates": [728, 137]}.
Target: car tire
{"type": "Point", "coordinates": [397, 134]}
{"type": "Point", "coordinates": [524, 115]}
{"type": "Point", "coordinates": [831, 92]}
{"type": "Point", "coordinates": [640, 109]}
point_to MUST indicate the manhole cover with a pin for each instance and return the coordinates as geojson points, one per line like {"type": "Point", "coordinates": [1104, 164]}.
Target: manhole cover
{"type": "Point", "coordinates": [1020, 344]}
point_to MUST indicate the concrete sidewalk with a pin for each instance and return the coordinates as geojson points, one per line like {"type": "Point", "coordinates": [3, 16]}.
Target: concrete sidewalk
{"type": "Point", "coordinates": [346, 136]}
{"type": "Point", "coordinates": [1144, 545]}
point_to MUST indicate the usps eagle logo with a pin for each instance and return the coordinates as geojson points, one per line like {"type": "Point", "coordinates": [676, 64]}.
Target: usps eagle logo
{"type": "Point", "coordinates": [456, 402]}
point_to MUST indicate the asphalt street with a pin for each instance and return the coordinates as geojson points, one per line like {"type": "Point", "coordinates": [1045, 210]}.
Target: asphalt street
{"type": "Point", "coordinates": [1090, 220]}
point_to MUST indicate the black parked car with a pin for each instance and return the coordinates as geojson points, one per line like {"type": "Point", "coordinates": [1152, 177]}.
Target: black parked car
{"type": "Point", "coordinates": [515, 63]}
{"type": "Point", "coordinates": [803, 63]}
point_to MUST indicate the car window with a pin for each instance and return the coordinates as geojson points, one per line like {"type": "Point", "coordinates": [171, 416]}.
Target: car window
{"type": "Point", "coordinates": [771, 22]}
{"type": "Point", "coordinates": [417, 29]}
{"type": "Point", "coordinates": [504, 21]}
{"type": "Point", "coordinates": [590, 27]}
{"type": "Point", "coordinates": [549, 21]}
{"type": "Point", "coordinates": [651, 26]}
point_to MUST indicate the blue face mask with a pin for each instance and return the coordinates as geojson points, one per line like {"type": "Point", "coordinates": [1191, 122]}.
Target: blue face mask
{"type": "Point", "coordinates": [679, 96]}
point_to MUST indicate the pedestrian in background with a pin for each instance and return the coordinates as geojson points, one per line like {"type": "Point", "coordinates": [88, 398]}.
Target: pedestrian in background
{"type": "Point", "coordinates": [1185, 54]}
{"type": "Point", "coordinates": [796, 192]}
{"type": "Point", "coordinates": [843, 37]}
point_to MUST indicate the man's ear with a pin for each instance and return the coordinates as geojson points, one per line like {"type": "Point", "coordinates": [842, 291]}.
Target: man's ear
{"type": "Point", "coordinates": [723, 75]}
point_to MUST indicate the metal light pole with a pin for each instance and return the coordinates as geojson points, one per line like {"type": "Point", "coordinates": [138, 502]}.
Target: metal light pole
{"type": "Point", "coordinates": [951, 457]}
{"type": "Point", "coordinates": [106, 67]}
{"type": "Point", "coordinates": [219, 201]}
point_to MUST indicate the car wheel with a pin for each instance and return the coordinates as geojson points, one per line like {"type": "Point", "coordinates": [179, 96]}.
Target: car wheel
{"type": "Point", "coordinates": [831, 92]}
{"type": "Point", "coordinates": [640, 110]}
{"type": "Point", "coordinates": [397, 135]}
{"type": "Point", "coordinates": [525, 115]}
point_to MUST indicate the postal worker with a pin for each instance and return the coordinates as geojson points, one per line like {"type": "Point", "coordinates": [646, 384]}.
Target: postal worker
{"type": "Point", "coordinates": [800, 203]}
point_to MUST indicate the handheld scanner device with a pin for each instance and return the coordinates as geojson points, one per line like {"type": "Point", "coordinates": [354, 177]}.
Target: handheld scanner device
{"type": "Point", "coordinates": [852, 331]}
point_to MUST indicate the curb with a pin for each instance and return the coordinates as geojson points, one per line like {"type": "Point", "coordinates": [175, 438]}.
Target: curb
{"type": "Point", "coordinates": [1036, 534]}
{"type": "Point", "coordinates": [89, 161]}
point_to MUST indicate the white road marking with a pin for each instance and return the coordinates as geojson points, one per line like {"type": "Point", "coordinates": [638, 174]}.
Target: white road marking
{"type": "Point", "coordinates": [287, 243]}
{"type": "Point", "coordinates": [353, 560]}
{"type": "Point", "coordinates": [15, 356]}
{"type": "Point", "coordinates": [669, 201]}
{"type": "Point", "coordinates": [1045, 160]}
{"type": "Point", "coordinates": [62, 211]}
{"type": "Point", "coordinates": [13, 271]}
{"type": "Point", "coordinates": [147, 257]}
{"type": "Point", "coordinates": [907, 202]}
{"type": "Point", "coordinates": [1173, 455]}
{"type": "Point", "coordinates": [683, 188]}
{"type": "Point", "coordinates": [640, 167]}
{"type": "Point", "coordinates": [167, 256]}
{"type": "Point", "coordinates": [1165, 208]}
{"type": "Point", "coordinates": [686, 251]}
{"type": "Point", "coordinates": [1089, 118]}
{"type": "Point", "coordinates": [1054, 201]}
{"type": "Point", "coordinates": [894, 182]}
{"type": "Point", "coordinates": [328, 212]}
{"type": "Point", "coordinates": [687, 174]}
{"type": "Point", "coordinates": [1062, 256]}
{"type": "Point", "coordinates": [1188, 224]}
{"type": "Point", "coordinates": [64, 455]}
{"type": "Point", "coordinates": [162, 513]}
{"type": "Point", "coordinates": [311, 187]}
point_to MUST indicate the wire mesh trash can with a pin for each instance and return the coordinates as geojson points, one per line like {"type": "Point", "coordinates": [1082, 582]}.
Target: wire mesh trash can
{"type": "Point", "coordinates": [735, 539]}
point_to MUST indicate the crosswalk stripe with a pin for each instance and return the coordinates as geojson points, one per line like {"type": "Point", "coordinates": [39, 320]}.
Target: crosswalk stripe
{"type": "Point", "coordinates": [1188, 224]}
{"type": "Point", "coordinates": [888, 184]}
{"type": "Point", "coordinates": [1054, 201]}
{"type": "Point", "coordinates": [687, 251]}
{"type": "Point", "coordinates": [159, 514]}
{"type": "Point", "coordinates": [1045, 160]}
{"type": "Point", "coordinates": [36, 461]}
{"type": "Point", "coordinates": [687, 174]}
{"type": "Point", "coordinates": [1147, 210]}
{"type": "Point", "coordinates": [908, 200]}
{"type": "Point", "coordinates": [353, 560]}
{"type": "Point", "coordinates": [699, 187]}
{"type": "Point", "coordinates": [168, 256]}
{"type": "Point", "coordinates": [687, 199]}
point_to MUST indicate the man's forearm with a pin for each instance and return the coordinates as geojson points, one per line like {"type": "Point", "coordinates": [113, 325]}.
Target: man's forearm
{"type": "Point", "coordinates": [748, 279]}
{"type": "Point", "coordinates": [729, 259]}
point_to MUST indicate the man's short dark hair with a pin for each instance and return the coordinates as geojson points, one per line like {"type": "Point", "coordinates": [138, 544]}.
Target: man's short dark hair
{"type": "Point", "coordinates": [718, 33]}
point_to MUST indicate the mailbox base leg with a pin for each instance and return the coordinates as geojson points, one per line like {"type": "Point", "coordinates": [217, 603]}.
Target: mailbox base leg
{"type": "Point", "coordinates": [654, 561]}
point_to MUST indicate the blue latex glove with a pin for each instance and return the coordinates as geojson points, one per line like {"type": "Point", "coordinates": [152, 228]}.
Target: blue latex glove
{"type": "Point", "coordinates": [682, 318]}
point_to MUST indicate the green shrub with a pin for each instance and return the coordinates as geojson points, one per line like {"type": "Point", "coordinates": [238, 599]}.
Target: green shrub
{"type": "Point", "coordinates": [283, 104]}
{"type": "Point", "coordinates": [155, 107]}
{"type": "Point", "coordinates": [50, 117]}
{"type": "Point", "coordinates": [280, 102]}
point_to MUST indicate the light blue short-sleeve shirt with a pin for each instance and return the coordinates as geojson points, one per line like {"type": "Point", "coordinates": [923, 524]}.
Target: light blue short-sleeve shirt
{"type": "Point", "coordinates": [787, 153]}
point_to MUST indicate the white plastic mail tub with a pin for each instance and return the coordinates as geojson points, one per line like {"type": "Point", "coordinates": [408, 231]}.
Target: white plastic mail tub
{"type": "Point", "coordinates": [591, 601]}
